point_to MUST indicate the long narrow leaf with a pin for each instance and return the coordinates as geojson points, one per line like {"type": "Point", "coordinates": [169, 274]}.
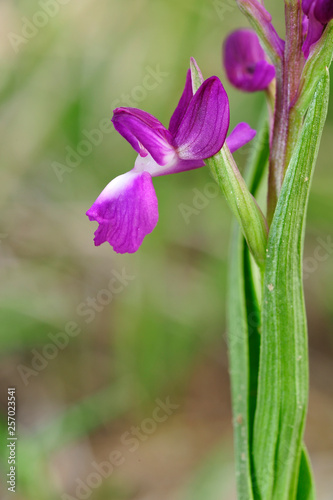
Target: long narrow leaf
{"type": "Point", "coordinates": [243, 335]}
{"type": "Point", "coordinates": [283, 377]}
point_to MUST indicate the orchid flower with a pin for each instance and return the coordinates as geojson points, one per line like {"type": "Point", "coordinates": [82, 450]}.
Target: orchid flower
{"type": "Point", "coordinates": [127, 209]}
{"type": "Point", "coordinates": [319, 13]}
{"type": "Point", "coordinates": [245, 61]}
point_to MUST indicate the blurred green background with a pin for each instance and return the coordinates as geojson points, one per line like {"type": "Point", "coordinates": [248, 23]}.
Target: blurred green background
{"type": "Point", "coordinates": [93, 397]}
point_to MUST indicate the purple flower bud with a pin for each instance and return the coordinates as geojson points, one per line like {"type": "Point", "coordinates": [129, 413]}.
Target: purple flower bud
{"type": "Point", "coordinates": [245, 62]}
{"type": "Point", "coordinates": [323, 11]}
{"type": "Point", "coordinates": [306, 4]}
{"type": "Point", "coordinates": [319, 13]}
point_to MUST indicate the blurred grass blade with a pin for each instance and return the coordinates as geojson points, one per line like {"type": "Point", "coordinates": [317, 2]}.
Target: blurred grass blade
{"type": "Point", "coordinates": [81, 418]}
{"type": "Point", "coordinates": [213, 479]}
{"type": "Point", "coordinates": [243, 334]}
{"type": "Point", "coordinates": [283, 377]}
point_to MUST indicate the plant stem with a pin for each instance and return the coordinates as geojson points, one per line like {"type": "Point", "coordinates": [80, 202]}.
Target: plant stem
{"type": "Point", "coordinates": [287, 123]}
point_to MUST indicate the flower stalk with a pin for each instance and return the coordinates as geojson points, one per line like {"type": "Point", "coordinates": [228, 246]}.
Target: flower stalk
{"type": "Point", "coordinates": [287, 124]}
{"type": "Point", "coordinates": [295, 85]}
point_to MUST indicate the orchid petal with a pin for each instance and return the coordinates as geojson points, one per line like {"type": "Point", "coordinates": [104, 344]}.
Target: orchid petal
{"type": "Point", "coordinates": [306, 5]}
{"type": "Point", "coordinates": [264, 73]}
{"type": "Point", "coordinates": [315, 30]}
{"type": "Point", "coordinates": [182, 106]}
{"type": "Point", "coordinates": [126, 211]}
{"type": "Point", "coordinates": [145, 133]}
{"type": "Point", "coordinates": [241, 135]}
{"type": "Point", "coordinates": [204, 127]}
{"type": "Point", "coordinates": [323, 11]}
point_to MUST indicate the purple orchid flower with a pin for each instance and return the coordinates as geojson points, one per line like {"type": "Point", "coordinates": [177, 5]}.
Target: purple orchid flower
{"type": "Point", "coordinates": [127, 209]}
{"type": "Point", "coordinates": [245, 62]}
{"type": "Point", "coordinates": [319, 13]}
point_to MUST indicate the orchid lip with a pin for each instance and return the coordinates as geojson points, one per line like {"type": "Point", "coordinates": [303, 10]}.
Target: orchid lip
{"type": "Point", "coordinates": [126, 211]}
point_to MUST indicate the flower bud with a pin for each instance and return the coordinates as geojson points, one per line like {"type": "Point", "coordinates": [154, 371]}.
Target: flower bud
{"type": "Point", "coordinates": [319, 14]}
{"type": "Point", "coordinates": [245, 62]}
{"type": "Point", "coordinates": [323, 11]}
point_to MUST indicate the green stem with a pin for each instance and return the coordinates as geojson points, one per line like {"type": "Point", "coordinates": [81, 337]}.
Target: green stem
{"type": "Point", "coordinates": [287, 124]}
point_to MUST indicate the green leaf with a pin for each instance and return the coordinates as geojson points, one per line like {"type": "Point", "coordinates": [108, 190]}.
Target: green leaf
{"type": "Point", "coordinates": [283, 377]}
{"type": "Point", "coordinates": [305, 488]}
{"type": "Point", "coordinates": [243, 335]}
{"type": "Point", "coordinates": [239, 360]}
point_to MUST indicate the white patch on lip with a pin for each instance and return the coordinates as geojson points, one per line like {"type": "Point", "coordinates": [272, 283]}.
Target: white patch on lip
{"type": "Point", "coordinates": [120, 183]}
{"type": "Point", "coordinates": [148, 164]}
